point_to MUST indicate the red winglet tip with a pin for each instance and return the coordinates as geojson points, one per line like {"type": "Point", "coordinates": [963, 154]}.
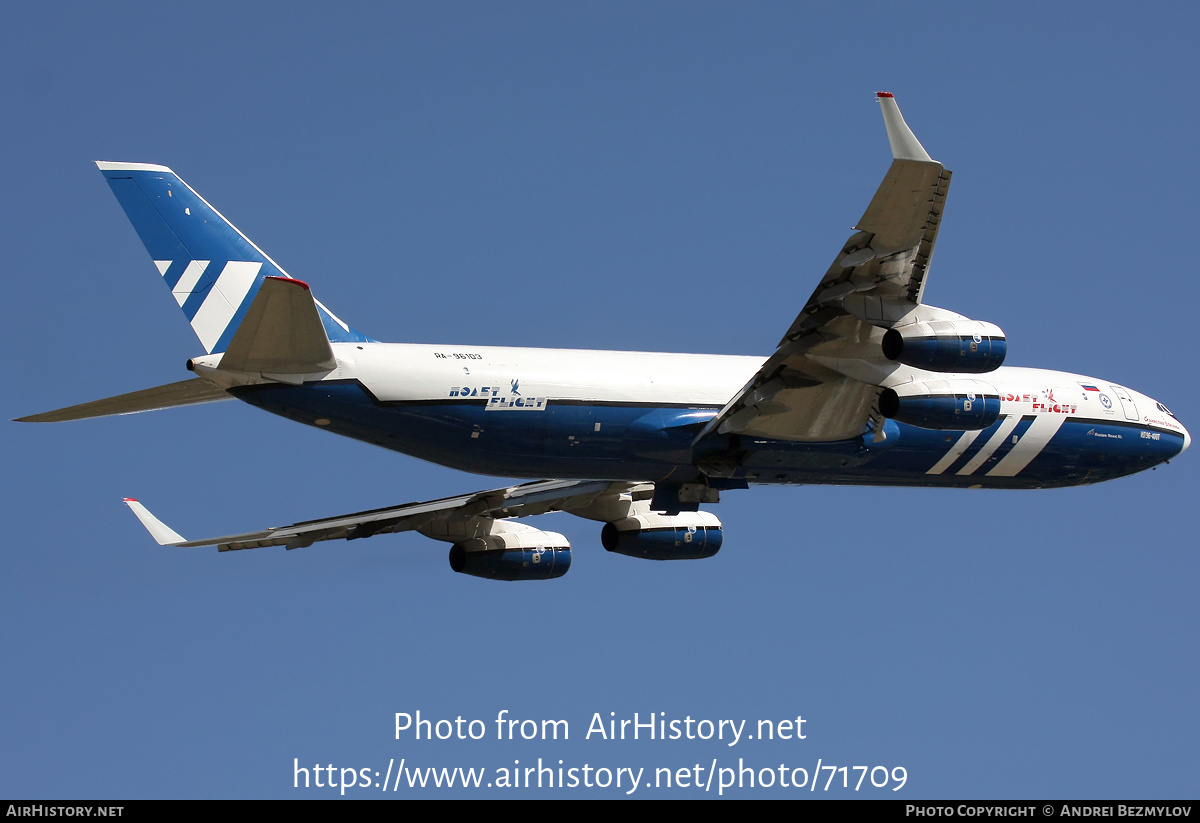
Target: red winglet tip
{"type": "Point", "coordinates": [293, 280]}
{"type": "Point", "coordinates": [130, 499]}
{"type": "Point", "coordinates": [884, 94]}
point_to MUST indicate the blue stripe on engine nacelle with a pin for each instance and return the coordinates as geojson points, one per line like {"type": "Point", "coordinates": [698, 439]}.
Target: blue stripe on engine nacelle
{"type": "Point", "coordinates": [963, 347]}
{"type": "Point", "coordinates": [511, 564]}
{"type": "Point", "coordinates": [671, 543]}
{"type": "Point", "coordinates": [960, 354]}
{"type": "Point", "coordinates": [957, 412]}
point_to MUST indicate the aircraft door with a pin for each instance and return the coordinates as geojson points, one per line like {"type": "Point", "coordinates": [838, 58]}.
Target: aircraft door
{"type": "Point", "coordinates": [1131, 412]}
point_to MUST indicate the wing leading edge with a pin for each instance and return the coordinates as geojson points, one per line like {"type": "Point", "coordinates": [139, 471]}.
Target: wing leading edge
{"type": "Point", "coordinates": [823, 381]}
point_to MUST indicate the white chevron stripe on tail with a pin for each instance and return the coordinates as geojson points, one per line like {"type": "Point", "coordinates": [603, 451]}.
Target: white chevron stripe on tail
{"type": "Point", "coordinates": [187, 281]}
{"type": "Point", "coordinates": [223, 301]}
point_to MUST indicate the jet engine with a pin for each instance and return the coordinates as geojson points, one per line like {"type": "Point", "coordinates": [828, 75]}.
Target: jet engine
{"type": "Point", "coordinates": [957, 405]}
{"type": "Point", "coordinates": [969, 346]}
{"type": "Point", "coordinates": [513, 555]}
{"type": "Point", "coordinates": [654, 536]}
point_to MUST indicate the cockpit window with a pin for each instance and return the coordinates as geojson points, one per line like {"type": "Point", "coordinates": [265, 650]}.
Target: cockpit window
{"type": "Point", "coordinates": [1163, 409]}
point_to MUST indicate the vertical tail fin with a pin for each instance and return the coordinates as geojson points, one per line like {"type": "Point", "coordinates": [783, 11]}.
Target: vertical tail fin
{"type": "Point", "coordinates": [211, 268]}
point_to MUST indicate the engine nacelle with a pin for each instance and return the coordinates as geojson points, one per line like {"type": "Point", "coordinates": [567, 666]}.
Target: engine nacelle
{"type": "Point", "coordinates": [684, 536]}
{"type": "Point", "coordinates": [958, 405]}
{"type": "Point", "coordinates": [520, 555]}
{"type": "Point", "coordinates": [968, 346]}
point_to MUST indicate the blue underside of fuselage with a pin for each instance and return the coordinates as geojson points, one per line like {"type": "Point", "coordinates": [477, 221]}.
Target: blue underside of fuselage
{"type": "Point", "coordinates": [606, 441]}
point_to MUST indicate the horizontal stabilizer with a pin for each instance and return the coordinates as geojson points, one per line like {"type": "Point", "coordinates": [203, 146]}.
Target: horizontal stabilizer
{"type": "Point", "coordinates": [281, 333]}
{"type": "Point", "coordinates": [184, 393]}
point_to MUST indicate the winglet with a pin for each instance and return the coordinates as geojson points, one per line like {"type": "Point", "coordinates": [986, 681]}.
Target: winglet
{"type": "Point", "coordinates": [905, 145]}
{"type": "Point", "coordinates": [163, 534]}
{"type": "Point", "coordinates": [281, 332]}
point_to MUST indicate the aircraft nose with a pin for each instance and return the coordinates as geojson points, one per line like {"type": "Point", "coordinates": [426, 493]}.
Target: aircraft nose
{"type": "Point", "coordinates": [1171, 422]}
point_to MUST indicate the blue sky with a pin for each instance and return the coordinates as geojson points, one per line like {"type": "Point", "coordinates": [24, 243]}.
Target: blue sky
{"type": "Point", "coordinates": [653, 176]}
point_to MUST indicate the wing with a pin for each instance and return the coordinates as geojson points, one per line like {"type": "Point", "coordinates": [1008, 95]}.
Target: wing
{"type": "Point", "coordinates": [452, 519]}
{"type": "Point", "coordinates": [823, 381]}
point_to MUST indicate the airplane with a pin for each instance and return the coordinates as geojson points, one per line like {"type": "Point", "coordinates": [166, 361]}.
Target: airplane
{"type": "Point", "coordinates": [869, 386]}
